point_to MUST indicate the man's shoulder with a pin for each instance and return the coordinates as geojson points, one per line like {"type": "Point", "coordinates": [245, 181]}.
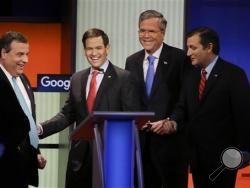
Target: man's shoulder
{"type": "Point", "coordinates": [231, 67]}
{"type": "Point", "coordinates": [136, 55]}
{"type": "Point", "coordinates": [119, 70]}
{"type": "Point", "coordinates": [171, 49]}
{"type": "Point", "coordinates": [78, 74]}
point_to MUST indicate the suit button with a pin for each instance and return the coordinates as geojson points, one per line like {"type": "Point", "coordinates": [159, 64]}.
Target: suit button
{"type": "Point", "coordinates": [18, 147]}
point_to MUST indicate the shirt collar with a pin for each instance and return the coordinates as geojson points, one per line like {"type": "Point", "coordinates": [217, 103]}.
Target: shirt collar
{"type": "Point", "coordinates": [210, 66]}
{"type": "Point", "coordinates": [156, 54]}
{"type": "Point", "coordinates": [9, 76]}
{"type": "Point", "coordinates": [103, 67]}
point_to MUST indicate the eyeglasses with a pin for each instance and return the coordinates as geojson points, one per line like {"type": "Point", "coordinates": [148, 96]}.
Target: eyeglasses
{"type": "Point", "coordinates": [143, 32]}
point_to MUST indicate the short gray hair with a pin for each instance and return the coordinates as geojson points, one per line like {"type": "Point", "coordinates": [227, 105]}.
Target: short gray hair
{"type": "Point", "coordinates": [153, 14]}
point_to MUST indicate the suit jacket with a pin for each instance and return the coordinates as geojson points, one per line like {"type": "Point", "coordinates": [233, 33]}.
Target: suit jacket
{"type": "Point", "coordinates": [166, 151]}
{"type": "Point", "coordinates": [18, 161]}
{"type": "Point", "coordinates": [221, 119]}
{"type": "Point", "coordinates": [116, 93]}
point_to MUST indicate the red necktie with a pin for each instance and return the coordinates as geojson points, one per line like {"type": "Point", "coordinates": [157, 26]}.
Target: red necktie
{"type": "Point", "coordinates": [92, 92]}
{"type": "Point", "coordinates": [202, 82]}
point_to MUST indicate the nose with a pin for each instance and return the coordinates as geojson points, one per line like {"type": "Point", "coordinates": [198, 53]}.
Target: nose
{"type": "Point", "coordinates": [188, 52]}
{"type": "Point", "coordinates": [94, 51]}
{"type": "Point", "coordinates": [25, 58]}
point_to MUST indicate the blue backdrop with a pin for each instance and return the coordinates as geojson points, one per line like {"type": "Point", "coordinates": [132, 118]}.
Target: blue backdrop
{"type": "Point", "coordinates": [230, 18]}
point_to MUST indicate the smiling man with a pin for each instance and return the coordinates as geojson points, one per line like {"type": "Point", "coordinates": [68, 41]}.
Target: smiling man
{"type": "Point", "coordinates": [158, 70]}
{"type": "Point", "coordinates": [20, 157]}
{"type": "Point", "coordinates": [102, 87]}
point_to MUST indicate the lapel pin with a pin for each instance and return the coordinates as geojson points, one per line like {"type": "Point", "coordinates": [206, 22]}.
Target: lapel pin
{"type": "Point", "coordinates": [109, 76]}
{"type": "Point", "coordinates": [165, 62]}
{"type": "Point", "coordinates": [216, 75]}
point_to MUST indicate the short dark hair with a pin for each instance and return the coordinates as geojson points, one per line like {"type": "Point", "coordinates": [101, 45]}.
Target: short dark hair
{"type": "Point", "coordinates": [94, 32]}
{"type": "Point", "coordinates": [10, 36]}
{"type": "Point", "coordinates": [207, 35]}
{"type": "Point", "coordinates": [153, 14]}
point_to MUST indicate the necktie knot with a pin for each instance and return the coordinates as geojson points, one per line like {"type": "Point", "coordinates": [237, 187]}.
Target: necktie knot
{"type": "Point", "coordinates": [203, 72]}
{"type": "Point", "coordinates": [14, 79]}
{"type": "Point", "coordinates": [151, 59]}
{"type": "Point", "coordinates": [94, 73]}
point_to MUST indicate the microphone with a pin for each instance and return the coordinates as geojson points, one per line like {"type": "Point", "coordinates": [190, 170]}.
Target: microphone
{"type": "Point", "coordinates": [101, 70]}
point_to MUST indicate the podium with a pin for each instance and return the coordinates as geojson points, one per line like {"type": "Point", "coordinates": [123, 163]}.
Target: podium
{"type": "Point", "coordinates": [117, 144]}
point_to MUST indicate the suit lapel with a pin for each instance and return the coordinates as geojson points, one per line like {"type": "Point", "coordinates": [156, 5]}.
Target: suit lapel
{"type": "Point", "coordinates": [83, 85]}
{"type": "Point", "coordinates": [161, 68]}
{"type": "Point", "coordinates": [197, 77]}
{"type": "Point", "coordinates": [5, 79]}
{"type": "Point", "coordinates": [212, 79]}
{"type": "Point", "coordinates": [140, 71]}
{"type": "Point", "coordinates": [109, 77]}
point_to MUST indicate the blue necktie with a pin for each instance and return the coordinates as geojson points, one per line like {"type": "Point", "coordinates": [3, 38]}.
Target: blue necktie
{"type": "Point", "coordinates": [150, 74]}
{"type": "Point", "coordinates": [33, 132]}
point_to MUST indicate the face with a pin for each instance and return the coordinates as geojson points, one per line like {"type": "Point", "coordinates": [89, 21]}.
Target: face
{"type": "Point", "coordinates": [198, 54]}
{"type": "Point", "coordinates": [150, 35]}
{"type": "Point", "coordinates": [95, 51]}
{"type": "Point", "coordinates": [15, 60]}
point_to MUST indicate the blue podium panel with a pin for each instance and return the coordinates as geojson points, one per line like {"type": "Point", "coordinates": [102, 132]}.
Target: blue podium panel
{"type": "Point", "coordinates": [119, 154]}
{"type": "Point", "coordinates": [116, 151]}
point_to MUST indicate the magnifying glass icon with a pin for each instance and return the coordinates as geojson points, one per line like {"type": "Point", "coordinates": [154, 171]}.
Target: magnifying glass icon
{"type": "Point", "coordinates": [231, 159]}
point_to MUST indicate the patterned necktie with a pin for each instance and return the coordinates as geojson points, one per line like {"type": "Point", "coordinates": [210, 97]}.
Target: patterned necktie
{"type": "Point", "coordinates": [150, 74]}
{"type": "Point", "coordinates": [92, 92]}
{"type": "Point", "coordinates": [33, 131]}
{"type": "Point", "coordinates": [202, 82]}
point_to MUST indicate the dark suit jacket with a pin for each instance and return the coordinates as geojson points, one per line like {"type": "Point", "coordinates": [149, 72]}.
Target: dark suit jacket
{"type": "Point", "coordinates": [167, 151]}
{"type": "Point", "coordinates": [18, 163]}
{"type": "Point", "coordinates": [116, 93]}
{"type": "Point", "coordinates": [221, 119]}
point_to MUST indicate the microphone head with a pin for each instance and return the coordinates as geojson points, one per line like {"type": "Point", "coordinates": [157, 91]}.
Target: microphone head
{"type": "Point", "coordinates": [100, 70]}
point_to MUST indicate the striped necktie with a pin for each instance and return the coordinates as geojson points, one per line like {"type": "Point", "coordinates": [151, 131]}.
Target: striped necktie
{"type": "Point", "coordinates": [202, 83]}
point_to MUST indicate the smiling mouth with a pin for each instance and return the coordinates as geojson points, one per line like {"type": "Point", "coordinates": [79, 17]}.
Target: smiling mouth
{"type": "Point", "coordinates": [21, 66]}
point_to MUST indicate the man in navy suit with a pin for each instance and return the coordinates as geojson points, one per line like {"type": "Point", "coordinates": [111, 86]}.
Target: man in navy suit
{"type": "Point", "coordinates": [19, 160]}
{"type": "Point", "coordinates": [216, 107]}
{"type": "Point", "coordinates": [164, 157]}
{"type": "Point", "coordinates": [115, 91]}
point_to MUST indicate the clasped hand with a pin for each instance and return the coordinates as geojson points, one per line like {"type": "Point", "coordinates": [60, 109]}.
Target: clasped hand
{"type": "Point", "coordinates": [165, 126]}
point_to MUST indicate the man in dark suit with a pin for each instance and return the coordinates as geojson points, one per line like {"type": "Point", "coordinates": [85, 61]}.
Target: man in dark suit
{"type": "Point", "coordinates": [19, 160]}
{"type": "Point", "coordinates": [215, 101]}
{"type": "Point", "coordinates": [114, 92]}
{"type": "Point", "coordinates": [164, 156]}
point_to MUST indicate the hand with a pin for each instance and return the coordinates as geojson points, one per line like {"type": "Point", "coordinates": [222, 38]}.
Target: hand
{"type": "Point", "coordinates": [41, 161]}
{"type": "Point", "coordinates": [164, 127]}
{"type": "Point", "coordinates": [146, 127]}
{"type": "Point", "coordinates": [157, 127]}
{"type": "Point", "coordinates": [39, 129]}
{"type": "Point", "coordinates": [169, 126]}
